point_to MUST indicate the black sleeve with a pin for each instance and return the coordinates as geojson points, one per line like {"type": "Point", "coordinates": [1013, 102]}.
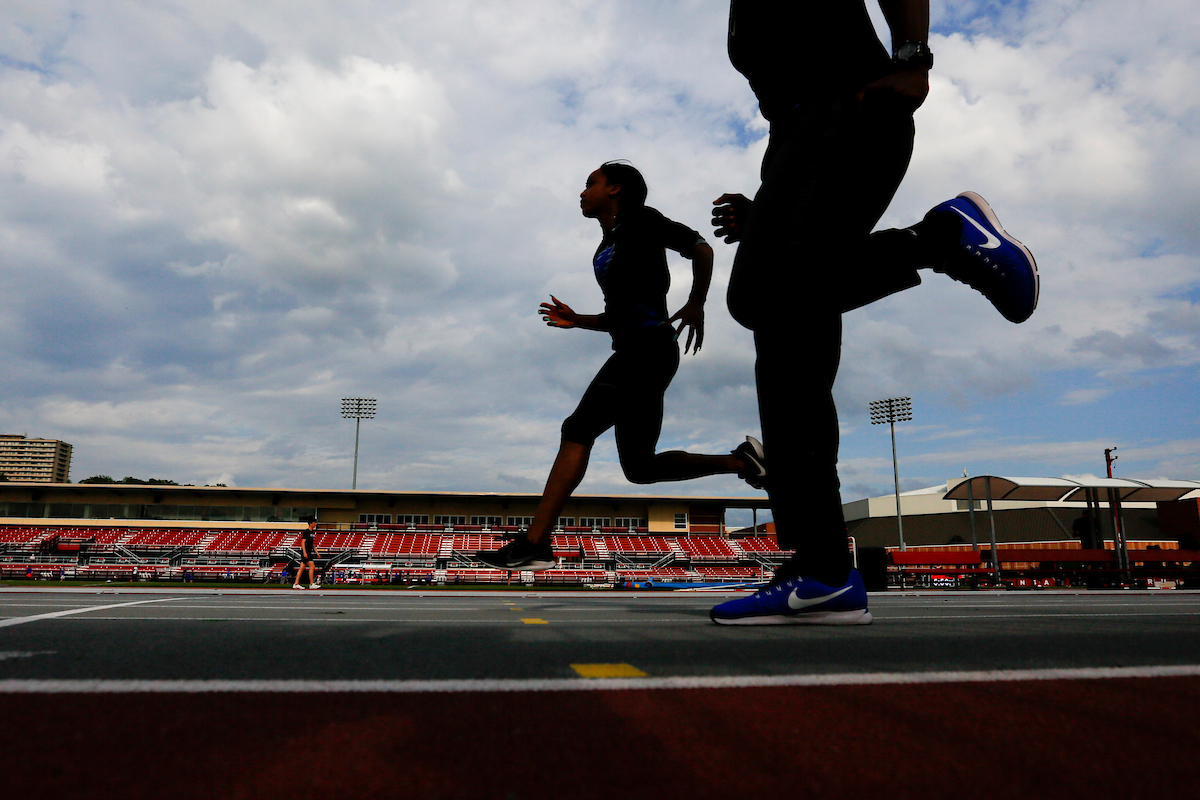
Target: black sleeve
{"type": "Point", "coordinates": [674, 235]}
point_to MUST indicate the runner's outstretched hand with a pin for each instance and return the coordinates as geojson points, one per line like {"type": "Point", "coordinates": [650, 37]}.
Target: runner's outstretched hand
{"type": "Point", "coordinates": [558, 314]}
{"type": "Point", "coordinates": [730, 215]}
{"type": "Point", "coordinates": [691, 316]}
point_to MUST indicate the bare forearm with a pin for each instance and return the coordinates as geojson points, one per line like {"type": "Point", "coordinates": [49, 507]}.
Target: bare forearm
{"type": "Point", "coordinates": [691, 316]}
{"type": "Point", "coordinates": [702, 269]}
{"type": "Point", "coordinates": [906, 86]}
{"type": "Point", "coordinates": [908, 20]}
{"type": "Point", "coordinates": [558, 314]}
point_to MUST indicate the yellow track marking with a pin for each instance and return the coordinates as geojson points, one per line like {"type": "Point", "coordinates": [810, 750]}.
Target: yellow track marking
{"type": "Point", "coordinates": [608, 671]}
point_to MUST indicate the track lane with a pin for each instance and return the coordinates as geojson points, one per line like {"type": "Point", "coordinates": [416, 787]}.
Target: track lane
{"type": "Point", "coordinates": [437, 696]}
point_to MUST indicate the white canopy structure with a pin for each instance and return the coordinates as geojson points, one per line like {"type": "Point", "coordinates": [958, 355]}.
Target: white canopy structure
{"type": "Point", "coordinates": [1116, 490]}
{"type": "Point", "coordinates": [1062, 489]}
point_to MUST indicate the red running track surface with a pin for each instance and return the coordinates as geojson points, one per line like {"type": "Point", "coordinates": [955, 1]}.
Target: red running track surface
{"type": "Point", "coordinates": [1122, 738]}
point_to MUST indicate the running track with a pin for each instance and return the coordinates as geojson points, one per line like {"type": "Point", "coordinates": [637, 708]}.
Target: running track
{"type": "Point", "coordinates": [479, 695]}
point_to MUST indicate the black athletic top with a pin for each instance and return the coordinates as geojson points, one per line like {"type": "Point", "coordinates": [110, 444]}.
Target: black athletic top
{"type": "Point", "coordinates": [799, 51]}
{"type": "Point", "coordinates": [308, 546]}
{"type": "Point", "coordinates": [631, 268]}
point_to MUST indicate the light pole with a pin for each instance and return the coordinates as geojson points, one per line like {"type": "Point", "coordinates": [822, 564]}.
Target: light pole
{"type": "Point", "coordinates": [1114, 504]}
{"type": "Point", "coordinates": [891, 411]}
{"type": "Point", "coordinates": [357, 409]}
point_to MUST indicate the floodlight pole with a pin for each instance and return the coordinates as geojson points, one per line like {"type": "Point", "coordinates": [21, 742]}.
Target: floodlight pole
{"type": "Point", "coordinates": [891, 411]}
{"type": "Point", "coordinates": [354, 478]}
{"type": "Point", "coordinates": [358, 409]}
{"type": "Point", "coordinates": [896, 483]}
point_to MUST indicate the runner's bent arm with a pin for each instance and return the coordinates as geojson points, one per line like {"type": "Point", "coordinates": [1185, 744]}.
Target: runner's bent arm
{"type": "Point", "coordinates": [691, 316]}
{"type": "Point", "coordinates": [908, 21]}
{"type": "Point", "coordinates": [560, 315]}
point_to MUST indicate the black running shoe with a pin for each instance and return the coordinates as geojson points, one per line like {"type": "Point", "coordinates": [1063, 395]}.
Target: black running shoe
{"type": "Point", "coordinates": [751, 454]}
{"type": "Point", "coordinates": [518, 555]}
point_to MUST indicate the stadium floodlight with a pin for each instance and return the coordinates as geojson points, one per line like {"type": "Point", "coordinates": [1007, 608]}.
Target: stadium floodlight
{"type": "Point", "coordinates": [357, 409]}
{"type": "Point", "coordinates": [891, 411]}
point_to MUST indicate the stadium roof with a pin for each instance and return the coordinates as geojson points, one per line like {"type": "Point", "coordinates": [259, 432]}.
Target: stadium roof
{"type": "Point", "coordinates": [1062, 489]}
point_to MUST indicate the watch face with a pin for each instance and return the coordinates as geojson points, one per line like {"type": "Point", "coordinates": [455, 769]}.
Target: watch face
{"type": "Point", "coordinates": [915, 53]}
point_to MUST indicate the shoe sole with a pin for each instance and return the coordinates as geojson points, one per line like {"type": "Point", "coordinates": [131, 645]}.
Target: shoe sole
{"type": "Point", "coordinates": [858, 616]}
{"type": "Point", "coordinates": [990, 215]}
{"type": "Point", "coordinates": [757, 459]}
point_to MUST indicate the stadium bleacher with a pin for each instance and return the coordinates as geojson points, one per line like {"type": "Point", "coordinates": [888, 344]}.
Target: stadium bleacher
{"type": "Point", "coordinates": [164, 539]}
{"type": "Point", "coordinates": [571, 576]}
{"type": "Point", "coordinates": [406, 544]}
{"type": "Point", "coordinates": [405, 553]}
{"type": "Point", "coordinates": [472, 575]}
{"type": "Point", "coordinates": [474, 542]}
{"type": "Point", "coordinates": [674, 574]}
{"type": "Point", "coordinates": [639, 545]}
{"type": "Point", "coordinates": [249, 543]}
{"type": "Point", "coordinates": [707, 548]}
{"type": "Point", "coordinates": [711, 573]}
{"type": "Point", "coordinates": [763, 545]}
{"type": "Point", "coordinates": [339, 541]}
{"type": "Point", "coordinates": [568, 545]}
{"type": "Point", "coordinates": [371, 553]}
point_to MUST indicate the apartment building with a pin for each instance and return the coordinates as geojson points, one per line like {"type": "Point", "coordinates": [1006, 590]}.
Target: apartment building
{"type": "Point", "coordinates": [34, 460]}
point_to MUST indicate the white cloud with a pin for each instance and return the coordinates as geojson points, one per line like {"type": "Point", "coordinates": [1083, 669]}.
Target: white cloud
{"type": "Point", "coordinates": [164, 416]}
{"type": "Point", "coordinates": [55, 164]}
{"type": "Point", "coordinates": [216, 220]}
{"type": "Point", "coordinates": [299, 168]}
{"type": "Point", "coordinates": [1082, 396]}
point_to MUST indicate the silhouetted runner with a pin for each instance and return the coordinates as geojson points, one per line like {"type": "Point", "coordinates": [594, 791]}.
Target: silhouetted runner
{"type": "Point", "coordinates": [841, 138]}
{"type": "Point", "coordinates": [627, 394]}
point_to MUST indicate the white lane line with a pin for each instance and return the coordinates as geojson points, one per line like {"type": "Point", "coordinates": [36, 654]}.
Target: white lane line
{"type": "Point", "coordinates": [4, 623]}
{"type": "Point", "coordinates": [396, 621]}
{"type": "Point", "coordinates": [1048, 615]}
{"type": "Point", "coordinates": [225, 607]}
{"type": "Point", "coordinates": [1182, 603]}
{"type": "Point", "coordinates": [602, 621]}
{"type": "Point", "coordinates": [38, 605]}
{"type": "Point", "coordinates": [9, 654]}
{"type": "Point", "coordinates": [584, 684]}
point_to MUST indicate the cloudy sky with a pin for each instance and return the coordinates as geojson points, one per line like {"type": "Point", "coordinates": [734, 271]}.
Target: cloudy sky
{"type": "Point", "coordinates": [219, 218]}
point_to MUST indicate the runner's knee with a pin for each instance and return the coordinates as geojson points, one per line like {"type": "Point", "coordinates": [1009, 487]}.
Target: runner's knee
{"type": "Point", "coordinates": [577, 431]}
{"type": "Point", "coordinates": [639, 470]}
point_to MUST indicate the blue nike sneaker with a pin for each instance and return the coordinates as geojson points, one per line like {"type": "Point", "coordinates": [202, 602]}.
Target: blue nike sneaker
{"type": "Point", "coordinates": [799, 601]}
{"type": "Point", "coordinates": [986, 257]}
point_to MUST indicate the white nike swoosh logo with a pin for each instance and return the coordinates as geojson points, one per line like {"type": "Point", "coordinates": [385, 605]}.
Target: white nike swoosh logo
{"type": "Point", "coordinates": [795, 603]}
{"type": "Point", "coordinates": [991, 242]}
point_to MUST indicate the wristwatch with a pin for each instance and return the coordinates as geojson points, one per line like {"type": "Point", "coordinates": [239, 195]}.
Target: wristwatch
{"type": "Point", "coordinates": [911, 54]}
